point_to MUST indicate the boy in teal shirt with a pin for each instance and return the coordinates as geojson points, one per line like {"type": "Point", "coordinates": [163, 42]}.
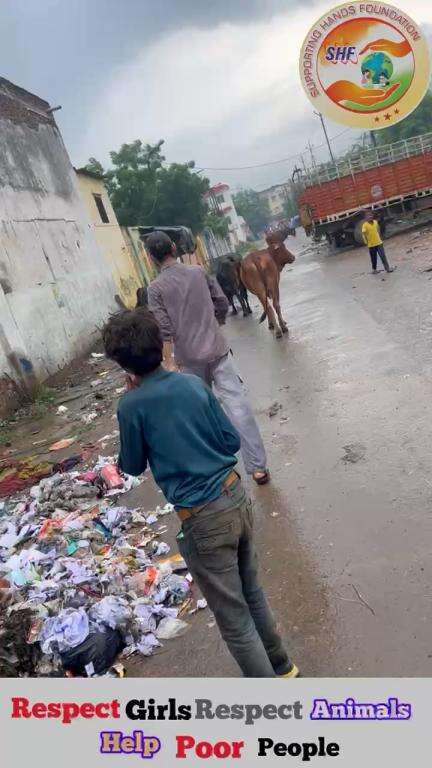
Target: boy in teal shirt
{"type": "Point", "coordinates": [174, 423]}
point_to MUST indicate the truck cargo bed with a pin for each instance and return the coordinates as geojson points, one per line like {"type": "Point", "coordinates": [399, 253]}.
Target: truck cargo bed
{"type": "Point", "coordinates": [378, 177]}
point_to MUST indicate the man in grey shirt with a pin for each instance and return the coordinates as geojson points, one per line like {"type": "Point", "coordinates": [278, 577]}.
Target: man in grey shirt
{"type": "Point", "coordinates": [189, 305]}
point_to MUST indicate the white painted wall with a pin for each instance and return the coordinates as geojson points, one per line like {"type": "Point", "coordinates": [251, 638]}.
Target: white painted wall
{"type": "Point", "coordinates": [236, 228]}
{"type": "Point", "coordinates": [56, 287]}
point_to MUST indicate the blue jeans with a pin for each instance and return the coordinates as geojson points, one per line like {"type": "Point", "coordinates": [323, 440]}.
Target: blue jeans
{"type": "Point", "coordinates": [218, 547]}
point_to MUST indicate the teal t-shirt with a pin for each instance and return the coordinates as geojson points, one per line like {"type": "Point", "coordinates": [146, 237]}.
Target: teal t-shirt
{"type": "Point", "coordinates": [174, 423]}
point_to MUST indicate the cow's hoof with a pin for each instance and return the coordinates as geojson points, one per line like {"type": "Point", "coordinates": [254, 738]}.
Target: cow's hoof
{"type": "Point", "coordinates": [234, 312]}
{"type": "Point", "coordinates": [278, 333]}
{"type": "Point", "coordinates": [285, 329]}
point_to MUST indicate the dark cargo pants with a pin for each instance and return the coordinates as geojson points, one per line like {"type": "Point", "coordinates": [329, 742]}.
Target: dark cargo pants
{"type": "Point", "coordinates": [374, 252]}
{"type": "Point", "coordinates": [217, 545]}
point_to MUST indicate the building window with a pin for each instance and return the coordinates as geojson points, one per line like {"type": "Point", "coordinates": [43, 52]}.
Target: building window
{"type": "Point", "coordinates": [101, 208]}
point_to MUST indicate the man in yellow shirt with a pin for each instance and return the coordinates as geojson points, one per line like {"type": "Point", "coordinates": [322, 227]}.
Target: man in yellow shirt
{"type": "Point", "coordinates": [372, 238]}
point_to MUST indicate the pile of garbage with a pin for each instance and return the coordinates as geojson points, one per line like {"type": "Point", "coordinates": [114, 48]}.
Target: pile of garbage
{"type": "Point", "coordinates": [83, 579]}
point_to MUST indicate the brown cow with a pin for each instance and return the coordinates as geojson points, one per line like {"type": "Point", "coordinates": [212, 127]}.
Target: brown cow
{"type": "Point", "coordinates": [260, 273]}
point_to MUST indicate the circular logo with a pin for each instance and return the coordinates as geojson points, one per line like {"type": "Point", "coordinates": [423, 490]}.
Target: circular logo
{"type": "Point", "coordinates": [365, 65]}
{"type": "Point", "coordinates": [377, 191]}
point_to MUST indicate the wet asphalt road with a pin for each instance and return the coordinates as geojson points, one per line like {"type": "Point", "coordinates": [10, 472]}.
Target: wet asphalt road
{"type": "Point", "coordinates": [345, 547]}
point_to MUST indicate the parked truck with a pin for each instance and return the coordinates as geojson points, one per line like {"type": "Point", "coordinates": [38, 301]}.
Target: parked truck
{"type": "Point", "coordinates": [395, 181]}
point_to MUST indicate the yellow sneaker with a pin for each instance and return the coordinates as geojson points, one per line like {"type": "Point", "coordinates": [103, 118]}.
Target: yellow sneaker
{"type": "Point", "coordinates": [294, 672]}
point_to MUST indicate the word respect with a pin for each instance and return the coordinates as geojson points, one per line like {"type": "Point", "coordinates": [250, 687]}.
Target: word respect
{"type": "Point", "coordinates": [65, 711]}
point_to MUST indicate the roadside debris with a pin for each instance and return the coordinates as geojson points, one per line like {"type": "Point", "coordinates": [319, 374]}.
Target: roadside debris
{"type": "Point", "coordinates": [61, 444]}
{"type": "Point", "coordinates": [359, 601]}
{"type": "Point", "coordinates": [274, 408]}
{"type": "Point", "coordinates": [15, 475]}
{"type": "Point", "coordinates": [170, 627]}
{"type": "Point", "coordinates": [353, 452]}
{"type": "Point", "coordinates": [200, 606]}
{"type": "Point", "coordinates": [83, 578]}
{"type": "Point", "coordinates": [89, 417]}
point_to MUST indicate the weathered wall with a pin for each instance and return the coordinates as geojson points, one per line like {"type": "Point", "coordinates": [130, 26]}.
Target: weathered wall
{"type": "Point", "coordinates": [110, 238]}
{"type": "Point", "coordinates": [55, 288]}
{"type": "Point", "coordinates": [139, 254]}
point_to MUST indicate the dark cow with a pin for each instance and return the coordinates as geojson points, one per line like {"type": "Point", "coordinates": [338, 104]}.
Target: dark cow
{"type": "Point", "coordinates": [228, 277]}
{"type": "Point", "coordinates": [141, 297]}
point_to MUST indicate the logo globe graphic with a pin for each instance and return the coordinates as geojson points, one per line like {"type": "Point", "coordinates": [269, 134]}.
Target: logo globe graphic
{"type": "Point", "coordinates": [377, 64]}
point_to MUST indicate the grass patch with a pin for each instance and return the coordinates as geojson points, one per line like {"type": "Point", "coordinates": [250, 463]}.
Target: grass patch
{"type": "Point", "coordinates": [5, 432]}
{"type": "Point", "coordinates": [44, 398]}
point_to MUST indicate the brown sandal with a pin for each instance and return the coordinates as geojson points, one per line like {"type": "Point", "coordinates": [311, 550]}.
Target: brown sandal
{"type": "Point", "coordinates": [263, 479]}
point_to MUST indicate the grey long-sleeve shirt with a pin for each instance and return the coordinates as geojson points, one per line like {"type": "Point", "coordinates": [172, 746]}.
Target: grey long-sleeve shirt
{"type": "Point", "coordinates": [187, 304]}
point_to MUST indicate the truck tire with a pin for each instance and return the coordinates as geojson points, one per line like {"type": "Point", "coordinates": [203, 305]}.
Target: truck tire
{"type": "Point", "coordinates": [358, 235]}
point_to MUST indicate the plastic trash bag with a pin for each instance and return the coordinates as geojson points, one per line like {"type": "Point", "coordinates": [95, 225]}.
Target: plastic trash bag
{"type": "Point", "coordinates": [169, 628]}
{"type": "Point", "coordinates": [95, 655]}
{"type": "Point", "coordinates": [148, 615]}
{"type": "Point", "coordinates": [143, 582]}
{"type": "Point", "coordinates": [148, 644]}
{"type": "Point", "coordinates": [111, 611]}
{"type": "Point", "coordinates": [160, 548]}
{"type": "Point", "coordinates": [178, 589]}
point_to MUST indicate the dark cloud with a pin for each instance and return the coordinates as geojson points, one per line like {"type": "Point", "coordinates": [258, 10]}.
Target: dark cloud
{"type": "Point", "coordinates": [66, 50]}
{"type": "Point", "coordinates": [69, 51]}
{"type": "Point", "coordinates": [68, 45]}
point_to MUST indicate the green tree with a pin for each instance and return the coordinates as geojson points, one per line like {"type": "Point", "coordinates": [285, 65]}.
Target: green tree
{"type": "Point", "coordinates": [132, 182]}
{"type": "Point", "coordinates": [95, 167]}
{"type": "Point", "coordinates": [145, 191]}
{"type": "Point", "coordinates": [418, 122]}
{"type": "Point", "coordinates": [217, 223]}
{"type": "Point", "coordinates": [180, 198]}
{"type": "Point", "coordinates": [253, 208]}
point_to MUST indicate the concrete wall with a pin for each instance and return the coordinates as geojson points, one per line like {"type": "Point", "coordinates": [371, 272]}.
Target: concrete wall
{"type": "Point", "coordinates": [220, 200]}
{"type": "Point", "coordinates": [55, 288]}
{"type": "Point", "coordinates": [214, 247]}
{"type": "Point", "coordinates": [110, 238]}
{"type": "Point", "coordinates": [276, 197]}
{"type": "Point", "coordinates": [139, 254]}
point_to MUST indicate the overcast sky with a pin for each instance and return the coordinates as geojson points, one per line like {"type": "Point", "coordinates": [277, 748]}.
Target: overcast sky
{"type": "Point", "coordinates": [217, 79]}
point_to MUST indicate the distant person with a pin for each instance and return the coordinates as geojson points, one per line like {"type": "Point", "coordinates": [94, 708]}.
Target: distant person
{"type": "Point", "coordinates": [189, 305]}
{"type": "Point", "coordinates": [366, 80]}
{"type": "Point", "coordinates": [372, 238]}
{"type": "Point", "coordinates": [174, 423]}
{"type": "Point", "coordinates": [383, 80]}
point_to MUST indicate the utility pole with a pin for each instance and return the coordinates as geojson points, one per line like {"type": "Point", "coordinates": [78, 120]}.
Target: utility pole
{"type": "Point", "coordinates": [326, 135]}
{"type": "Point", "coordinates": [373, 138]}
{"type": "Point", "coordinates": [310, 148]}
{"type": "Point", "coordinates": [303, 163]}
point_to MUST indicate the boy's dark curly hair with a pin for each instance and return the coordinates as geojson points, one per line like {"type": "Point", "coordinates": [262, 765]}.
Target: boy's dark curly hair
{"type": "Point", "coordinates": [133, 339]}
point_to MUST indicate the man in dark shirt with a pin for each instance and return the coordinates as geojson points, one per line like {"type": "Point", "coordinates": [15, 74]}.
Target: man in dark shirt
{"type": "Point", "coordinates": [174, 423]}
{"type": "Point", "coordinates": [189, 305]}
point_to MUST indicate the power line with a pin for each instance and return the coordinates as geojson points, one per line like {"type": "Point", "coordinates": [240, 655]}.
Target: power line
{"type": "Point", "coordinates": [271, 162]}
